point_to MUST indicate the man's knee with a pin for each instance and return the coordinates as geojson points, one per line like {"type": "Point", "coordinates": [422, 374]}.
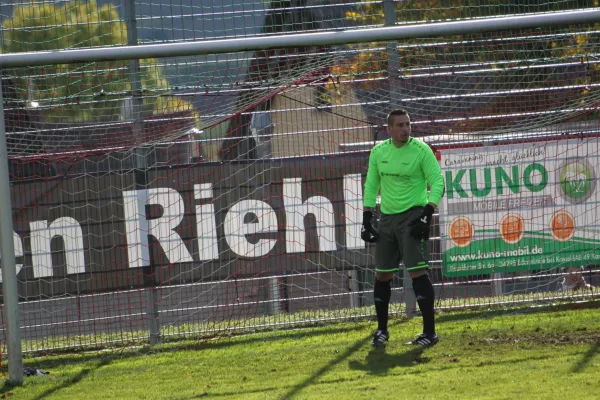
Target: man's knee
{"type": "Point", "coordinates": [423, 287]}
{"type": "Point", "coordinates": [384, 276]}
{"type": "Point", "coordinates": [382, 291]}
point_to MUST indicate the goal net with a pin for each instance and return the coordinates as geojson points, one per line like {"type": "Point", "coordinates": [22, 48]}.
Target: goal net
{"type": "Point", "coordinates": [204, 194]}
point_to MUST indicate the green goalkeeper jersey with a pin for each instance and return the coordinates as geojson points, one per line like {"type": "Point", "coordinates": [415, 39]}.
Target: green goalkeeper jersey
{"type": "Point", "coordinates": [402, 174]}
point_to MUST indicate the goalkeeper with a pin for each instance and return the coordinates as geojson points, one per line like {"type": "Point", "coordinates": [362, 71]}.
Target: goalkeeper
{"type": "Point", "coordinates": [401, 167]}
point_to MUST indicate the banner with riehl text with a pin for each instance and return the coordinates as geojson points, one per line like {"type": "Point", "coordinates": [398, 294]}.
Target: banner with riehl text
{"type": "Point", "coordinates": [520, 207]}
{"type": "Point", "coordinates": [212, 221]}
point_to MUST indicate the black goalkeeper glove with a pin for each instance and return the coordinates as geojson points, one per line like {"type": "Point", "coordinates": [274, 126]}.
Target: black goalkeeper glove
{"type": "Point", "coordinates": [368, 233]}
{"type": "Point", "coordinates": [419, 228]}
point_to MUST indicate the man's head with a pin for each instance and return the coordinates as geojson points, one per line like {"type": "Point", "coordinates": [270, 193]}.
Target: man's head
{"type": "Point", "coordinates": [399, 125]}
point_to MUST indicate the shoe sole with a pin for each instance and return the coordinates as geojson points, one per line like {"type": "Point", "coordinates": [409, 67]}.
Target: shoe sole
{"type": "Point", "coordinates": [412, 343]}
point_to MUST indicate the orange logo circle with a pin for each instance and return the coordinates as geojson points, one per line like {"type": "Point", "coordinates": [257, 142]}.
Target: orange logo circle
{"type": "Point", "coordinates": [512, 228]}
{"type": "Point", "coordinates": [461, 231]}
{"type": "Point", "coordinates": [562, 226]}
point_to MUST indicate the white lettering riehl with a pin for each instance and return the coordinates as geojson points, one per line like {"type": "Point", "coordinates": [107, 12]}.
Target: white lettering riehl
{"type": "Point", "coordinates": [262, 226]}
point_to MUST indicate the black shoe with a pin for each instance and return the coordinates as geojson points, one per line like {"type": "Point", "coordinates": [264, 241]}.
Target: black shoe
{"type": "Point", "coordinates": [425, 340]}
{"type": "Point", "coordinates": [380, 338]}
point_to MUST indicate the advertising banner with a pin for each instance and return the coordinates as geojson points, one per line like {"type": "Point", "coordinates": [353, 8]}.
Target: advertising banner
{"type": "Point", "coordinates": [99, 232]}
{"type": "Point", "coordinates": [520, 207]}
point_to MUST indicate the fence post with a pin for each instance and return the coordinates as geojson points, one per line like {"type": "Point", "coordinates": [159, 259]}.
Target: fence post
{"type": "Point", "coordinates": [141, 169]}
{"type": "Point", "coordinates": [353, 288]}
{"type": "Point", "coordinates": [9, 269]}
{"type": "Point", "coordinates": [393, 69]}
{"type": "Point", "coordinates": [497, 284]}
{"type": "Point", "coordinates": [274, 296]}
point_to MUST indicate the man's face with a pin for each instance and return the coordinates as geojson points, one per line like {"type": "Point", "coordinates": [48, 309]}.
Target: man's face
{"type": "Point", "coordinates": [399, 129]}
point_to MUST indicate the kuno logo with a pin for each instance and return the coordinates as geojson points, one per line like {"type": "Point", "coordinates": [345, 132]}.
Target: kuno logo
{"type": "Point", "coordinates": [577, 180]}
{"type": "Point", "coordinates": [461, 231]}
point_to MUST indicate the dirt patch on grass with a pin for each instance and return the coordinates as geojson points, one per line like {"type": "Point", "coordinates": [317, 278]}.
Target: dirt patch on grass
{"type": "Point", "coordinates": [539, 337]}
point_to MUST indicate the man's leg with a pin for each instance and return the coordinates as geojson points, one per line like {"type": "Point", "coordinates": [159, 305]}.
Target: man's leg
{"type": "Point", "coordinates": [425, 299]}
{"type": "Point", "coordinates": [382, 292]}
{"type": "Point", "coordinates": [387, 259]}
{"type": "Point", "coordinates": [416, 260]}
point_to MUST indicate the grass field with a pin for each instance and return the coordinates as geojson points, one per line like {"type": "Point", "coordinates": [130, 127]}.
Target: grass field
{"type": "Point", "coordinates": [542, 353]}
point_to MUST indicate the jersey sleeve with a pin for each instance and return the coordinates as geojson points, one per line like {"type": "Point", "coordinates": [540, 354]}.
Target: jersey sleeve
{"type": "Point", "coordinates": [373, 181]}
{"type": "Point", "coordinates": [433, 176]}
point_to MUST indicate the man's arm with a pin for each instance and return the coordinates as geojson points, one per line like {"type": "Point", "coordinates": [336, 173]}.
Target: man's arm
{"type": "Point", "coordinates": [433, 175]}
{"type": "Point", "coordinates": [371, 184]}
{"type": "Point", "coordinates": [367, 233]}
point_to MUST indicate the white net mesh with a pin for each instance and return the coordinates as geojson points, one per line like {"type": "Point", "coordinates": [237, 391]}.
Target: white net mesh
{"type": "Point", "coordinates": [226, 192]}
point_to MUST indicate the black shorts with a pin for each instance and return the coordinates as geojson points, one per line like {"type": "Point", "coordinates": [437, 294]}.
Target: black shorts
{"type": "Point", "coordinates": [395, 245]}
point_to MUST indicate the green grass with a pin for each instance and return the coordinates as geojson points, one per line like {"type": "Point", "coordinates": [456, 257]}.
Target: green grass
{"type": "Point", "coordinates": [545, 353]}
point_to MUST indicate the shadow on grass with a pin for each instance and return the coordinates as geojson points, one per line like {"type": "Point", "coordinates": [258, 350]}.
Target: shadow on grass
{"type": "Point", "coordinates": [53, 360]}
{"type": "Point", "coordinates": [312, 379]}
{"type": "Point", "coordinates": [8, 386]}
{"type": "Point", "coordinates": [268, 391]}
{"type": "Point", "coordinates": [379, 362]}
{"type": "Point", "coordinates": [587, 357]}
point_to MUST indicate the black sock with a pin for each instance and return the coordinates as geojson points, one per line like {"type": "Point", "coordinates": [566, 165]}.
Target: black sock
{"type": "Point", "coordinates": [425, 298]}
{"type": "Point", "coordinates": [382, 291]}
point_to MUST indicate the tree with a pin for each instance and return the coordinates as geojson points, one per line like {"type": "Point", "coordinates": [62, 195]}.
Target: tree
{"type": "Point", "coordinates": [81, 92]}
{"type": "Point", "coordinates": [458, 53]}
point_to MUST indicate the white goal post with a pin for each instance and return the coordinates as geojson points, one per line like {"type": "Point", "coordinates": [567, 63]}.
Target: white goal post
{"type": "Point", "coordinates": [304, 39]}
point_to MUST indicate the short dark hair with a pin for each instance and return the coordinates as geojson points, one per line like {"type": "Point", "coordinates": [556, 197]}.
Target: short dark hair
{"type": "Point", "coordinates": [398, 111]}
